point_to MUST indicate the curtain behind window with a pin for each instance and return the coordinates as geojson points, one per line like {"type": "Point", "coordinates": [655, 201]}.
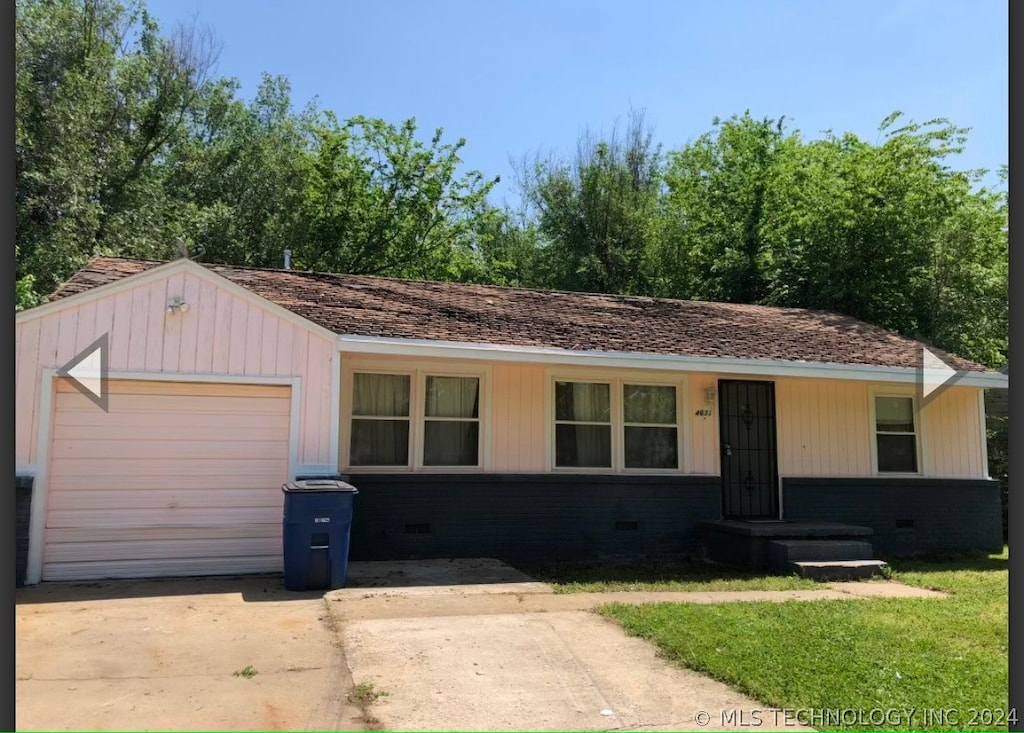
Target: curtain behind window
{"type": "Point", "coordinates": [583, 446]}
{"type": "Point", "coordinates": [380, 395]}
{"type": "Point", "coordinates": [453, 397]}
{"type": "Point", "coordinates": [451, 441]}
{"type": "Point", "coordinates": [383, 441]}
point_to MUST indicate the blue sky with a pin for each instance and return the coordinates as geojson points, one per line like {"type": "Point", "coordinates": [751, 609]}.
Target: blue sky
{"type": "Point", "coordinates": [516, 76]}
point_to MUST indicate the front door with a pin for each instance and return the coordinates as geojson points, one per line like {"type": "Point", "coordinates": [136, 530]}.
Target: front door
{"type": "Point", "coordinates": [746, 418]}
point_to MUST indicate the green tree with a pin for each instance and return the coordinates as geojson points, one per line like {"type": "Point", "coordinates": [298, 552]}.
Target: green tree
{"type": "Point", "coordinates": [507, 244]}
{"type": "Point", "coordinates": [101, 97]}
{"type": "Point", "coordinates": [887, 232]}
{"type": "Point", "coordinates": [596, 213]}
{"type": "Point", "coordinates": [890, 234]}
{"type": "Point", "coordinates": [714, 210]}
{"type": "Point", "coordinates": [240, 172]}
{"type": "Point", "coordinates": [379, 201]}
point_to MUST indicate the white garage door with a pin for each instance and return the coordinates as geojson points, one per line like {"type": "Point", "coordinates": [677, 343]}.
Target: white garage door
{"type": "Point", "coordinates": [177, 479]}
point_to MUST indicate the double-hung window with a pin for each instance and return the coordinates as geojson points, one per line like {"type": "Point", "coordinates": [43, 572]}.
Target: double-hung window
{"type": "Point", "coordinates": [583, 425]}
{"type": "Point", "coordinates": [451, 427]}
{"type": "Point", "coordinates": [415, 420]}
{"type": "Point", "coordinates": [895, 434]}
{"type": "Point", "coordinates": [651, 433]}
{"type": "Point", "coordinates": [616, 425]}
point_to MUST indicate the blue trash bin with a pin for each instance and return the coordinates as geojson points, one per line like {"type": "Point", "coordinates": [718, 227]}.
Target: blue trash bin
{"type": "Point", "coordinates": [317, 525]}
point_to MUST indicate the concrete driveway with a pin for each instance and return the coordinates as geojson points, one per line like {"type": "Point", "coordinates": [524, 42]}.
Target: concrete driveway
{"type": "Point", "coordinates": [471, 645]}
{"type": "Point", "coordinates": [169, 655]}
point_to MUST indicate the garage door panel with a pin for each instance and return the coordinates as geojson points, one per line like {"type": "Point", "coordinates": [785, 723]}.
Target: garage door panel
{"type": "Point", "coordinates": [186, 534]}
{"type": "Point", "coordinates": [177, 479]}
{"type": "Point", "coordinates": [180, 482]}
{"type": "Point", "coordinates": [156, 420]}
{"type": "Point", "coordinates": [64, 468]}
{"type": "Point", "coordinates": [163, 517]}
{"type": "Point", "coordinates": [253, 431]}
{"type": "Point", "coordinates": [168, 498]}
{"type": "Point", "coordinates": [199, 389]}
{"type": "Point", "coordinates": [184, 404]}
{"type": "Point", "coordinates": [165, 568]}
{"type": "Point", "coordinates": [198, 405]}
{"type": "Point", "coordinates": [156, 549]}
{"type": "Point", "coordinates": [224, 447]}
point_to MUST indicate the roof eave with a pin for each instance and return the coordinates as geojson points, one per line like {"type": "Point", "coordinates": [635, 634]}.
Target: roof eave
{"type": "Point", "coordinates": [423, 348]}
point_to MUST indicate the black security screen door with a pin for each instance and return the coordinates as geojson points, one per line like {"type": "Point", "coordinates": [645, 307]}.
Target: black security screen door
{"type": "Point", "coordinates": [746, 417]}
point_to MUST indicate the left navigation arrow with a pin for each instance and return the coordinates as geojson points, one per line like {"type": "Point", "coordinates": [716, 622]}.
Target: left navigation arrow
{"type": "Point", "coordinates": [87, 372]}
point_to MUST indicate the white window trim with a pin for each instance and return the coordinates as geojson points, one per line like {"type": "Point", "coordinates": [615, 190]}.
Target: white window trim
{"type": "Point", "coordinates": [983, 417]}
{"type": "Point", "coordinates": [421, 419]}
{"type": "Point", "coordinates": [616, 380]}
{"type": "Point", "coordinates": [417, 401]}
{"type": "Point", "coordinates": [610, 425]}
{"type": "Point", "coordinates": [918, 429]}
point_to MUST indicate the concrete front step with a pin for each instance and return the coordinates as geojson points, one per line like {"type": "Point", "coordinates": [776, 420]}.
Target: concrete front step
{"type": "Point", "coordinates": [838, 569]}
{"type": "Point", "coordinates": [783, 552]}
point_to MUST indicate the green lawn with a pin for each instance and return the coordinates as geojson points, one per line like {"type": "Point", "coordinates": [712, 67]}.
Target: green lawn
{"type": "Point", "coordinates": [667, 576]}
{"type": "Point", "coordinates": [933, 656]}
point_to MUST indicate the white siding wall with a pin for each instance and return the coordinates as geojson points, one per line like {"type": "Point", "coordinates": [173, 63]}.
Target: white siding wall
{"type": "Point", "coordinates": [823, 428]}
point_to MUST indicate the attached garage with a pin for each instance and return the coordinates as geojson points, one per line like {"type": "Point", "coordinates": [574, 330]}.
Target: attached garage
{"type": "Point", "coordinates": [176, 470]}
{"type": "Point", "coordinates": [178, 478]}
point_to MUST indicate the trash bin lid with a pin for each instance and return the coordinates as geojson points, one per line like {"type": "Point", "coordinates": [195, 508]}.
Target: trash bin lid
{"type": "Point", "coordinates": [320, 484]}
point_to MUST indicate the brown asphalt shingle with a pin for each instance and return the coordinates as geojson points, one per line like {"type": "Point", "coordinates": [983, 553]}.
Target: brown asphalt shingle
{"type": "Point", "coordinates": [375, 306]}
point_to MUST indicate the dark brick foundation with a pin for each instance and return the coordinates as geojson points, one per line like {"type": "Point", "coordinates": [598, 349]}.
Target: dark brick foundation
{"type": "Point", "coordinates": [909, 516]}
{"type": "Point", "coordinates": [23, 515]}
{"type": "Point", "coordinates": [529, 517]}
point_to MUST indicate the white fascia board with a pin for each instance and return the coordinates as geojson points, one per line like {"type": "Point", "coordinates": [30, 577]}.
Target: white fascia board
{"type": "Point", "coordinates": [423, 348]}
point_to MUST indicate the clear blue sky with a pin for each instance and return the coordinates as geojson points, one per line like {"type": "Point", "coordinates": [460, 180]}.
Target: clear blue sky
{"type": "Point", "coordinates": [515, 76]}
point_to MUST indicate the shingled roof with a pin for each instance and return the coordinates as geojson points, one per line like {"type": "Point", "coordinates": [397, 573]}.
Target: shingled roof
{"type": "Point", "coordinates": [483, 314]}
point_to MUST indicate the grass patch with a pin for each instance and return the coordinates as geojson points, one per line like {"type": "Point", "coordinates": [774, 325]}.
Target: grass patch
{"type": "Point", "coordinates": [681, 575]}
{"type": "Point", "coordinates": [248, 672]}
{"type": "Point", "coordinates": [863, 655]}
{"type": "Point", "coordinates": [365, 695]}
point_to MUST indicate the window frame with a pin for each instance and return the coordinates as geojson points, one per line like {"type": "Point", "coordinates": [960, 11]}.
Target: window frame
{"type": "Point", "coordinates": [610, 424]}
{"type": "Point", "coordinates": [422, 420]}
{"type": "Point", "coordinates": [616, 381]}
{"type": "Point", "coordinates": [417, 417]}
{"type": "Point", "coordinates": [347, 441]}
{"type": "Point", "coordinates": [873, 396]}
{"type": "Point", "coordinates": [678, 425]}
